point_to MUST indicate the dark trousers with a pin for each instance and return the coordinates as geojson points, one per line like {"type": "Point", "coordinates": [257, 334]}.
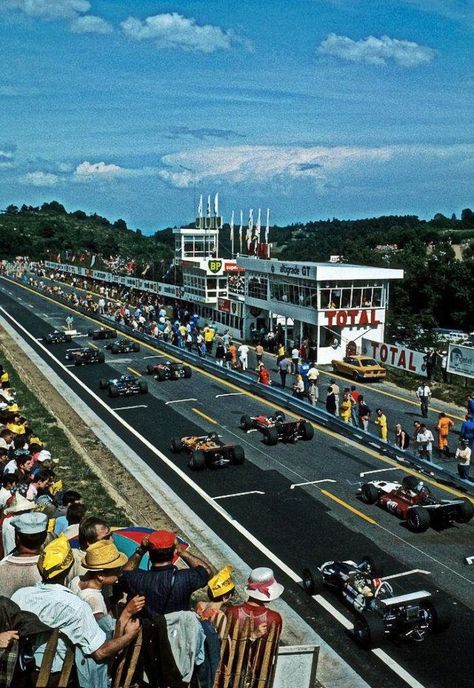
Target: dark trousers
{"type": "Point", "coordinates": [283, 374]}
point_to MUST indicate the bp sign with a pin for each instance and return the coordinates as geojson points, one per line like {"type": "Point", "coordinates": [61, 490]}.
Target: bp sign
{"type": "Point", "coordinates": [214, 265]}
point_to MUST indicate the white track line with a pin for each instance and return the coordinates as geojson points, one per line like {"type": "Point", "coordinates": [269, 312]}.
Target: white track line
{"type": "Point", "coordinates": [312, 482]}
{"type": "Point", "coordinates": [156, 356]}
{"type": "Point", "coordinates": [126, 408]}
{"type": "Point", "coordinates": [406, 573]}
{"type": "Point", "coordinates": [207, 498]}
{"type": "Point", "coordinates": [379, 470]}
{"type": "Point", "coordinates": [179, 401]}
{"type": "Point", "coordinates": [240, 494]}
{"type": "Point", "coordinates": [230, 394]}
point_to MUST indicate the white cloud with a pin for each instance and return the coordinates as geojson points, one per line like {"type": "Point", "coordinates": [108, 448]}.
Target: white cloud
{"type": "Point", "coordinates": [172, 30]}
{"type": "Point", "coordinates": [40, 179]}
{"type": "Point", "coordinates": [260, 164]}
{"type": "Point", "coordinates": [49, 9]}
{"type": "Point", "coordinates": [98, 170]}
{"type": "Point", "coordinates": [90, 24]}
{"type": "Point", "coordinates": [377, 51]}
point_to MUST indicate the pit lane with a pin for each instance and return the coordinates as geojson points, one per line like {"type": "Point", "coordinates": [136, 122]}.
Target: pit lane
{"type": "Point", "coordinates": [301, 525]}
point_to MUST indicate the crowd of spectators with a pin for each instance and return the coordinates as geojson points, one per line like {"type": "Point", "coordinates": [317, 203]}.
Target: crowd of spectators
{"type": "Point", "coordinates": [60, 568]}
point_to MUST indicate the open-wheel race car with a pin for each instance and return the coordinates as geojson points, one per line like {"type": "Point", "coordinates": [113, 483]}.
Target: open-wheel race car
{"type": "Point", "coordinates": [208, 450]}
{"type": "Point", "coordinates": [58, 337]}
{"type": "Point", "coordinates": [414, 503]}
{"type": "Point", "coordinates": [276, 428]}
{"type": "Point", "coordinates": [85, 355]}
{"type": "Point", "coordinates": [124, 385]}
{"type": "Point", "coordinates": [122, 346]}
{"type": "Point", "coordinates": [168, 371]}
{"type": "Point", "coordinates": [102, 333]}
{"type": "Point", "coordinates": [379, 612]}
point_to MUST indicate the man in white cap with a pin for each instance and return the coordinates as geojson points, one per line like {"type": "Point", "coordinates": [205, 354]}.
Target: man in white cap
{"type": "Point", "coordinates": [261, 589]}
{"type": "Point", "coordinates": [17, 505]}
{"type": "Point", "coordinates": [19, 569]}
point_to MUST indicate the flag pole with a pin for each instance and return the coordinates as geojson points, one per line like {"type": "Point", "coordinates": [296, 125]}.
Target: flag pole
{"type": "Point", "coordinates": [232, 235]}
{"type": "Point", "coordinates": [240, 230]}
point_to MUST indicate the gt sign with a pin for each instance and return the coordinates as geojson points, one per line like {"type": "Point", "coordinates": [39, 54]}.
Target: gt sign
{"type": "Point", "coordinates": [395, 356]}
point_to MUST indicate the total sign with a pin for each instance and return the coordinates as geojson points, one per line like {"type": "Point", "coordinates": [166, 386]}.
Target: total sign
{"type": "Point", "coordinates": [354, 317]}
{"type": "Point", "coordinates": [395, 356]}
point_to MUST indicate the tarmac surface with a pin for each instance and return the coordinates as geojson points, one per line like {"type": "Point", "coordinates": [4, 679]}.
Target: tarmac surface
{"type": "Point", "coordinates": [289, 506]}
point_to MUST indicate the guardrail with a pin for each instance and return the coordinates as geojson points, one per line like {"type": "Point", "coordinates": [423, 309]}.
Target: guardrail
{"type": "Point", "coordinates": [274, 395]}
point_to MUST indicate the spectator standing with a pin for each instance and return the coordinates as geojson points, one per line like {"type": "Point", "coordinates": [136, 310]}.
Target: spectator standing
{"type": "Point", "coordinates": [423, 394]}
{"type": "Point", "coordinates": [444, 365]}
{"type": "Point", "coordinates": [243, 352]}
{"type": "Point", "coordinates": [364, 413]}
{"type": "Point", "coordinates": [470, 405]}
{"type": "Point", "coordinates": [444, 426]}
{"type": "Point", "coordinates": [263, 376]}
{"type": "Point", "coordinates": [424, 442]}
{"type": "Point", "coordinates": [283, 366]}
{"type": "Point", "coordinates": [166, 588]}
{"type": "Point", "coordinates": [313, 390]}
{"type": "Point", "coordinates": [337, 391]}
{"type": "Point", "coordinates": [220, 590]}
{"type": "Point", "coordinates": [416, 429]}
{"type": "Point", "coordinates": [295, 359]}
{"type": "Point", "coordinates": [220, 352]}
{"type": "Point", "coordinates": [463, 457]}
{"type": "Point", "coordinates": [19, 568]}
{"type": "Point", "coordinates": [402, 438]}
{"type": "Point", "coordinates": [467, 431]}
{"type": "Point", "coordinates": [430, 362]}
{"type": "Point", "coordinates": [261, 588]}
{"type": "Point", "coordinates": [381, 421]}
{"type": "Point", "coordinates": [346, 408]}
{"type": "Point", "coordinates": [331, 401]}
{"type": "Point", "coordinates": [298, 386]}
{"type": "Point", "coordinates": [258, 355]}
{"type": "Point", "coordinates": [281, 353]}
{"type": "Point", "coordinates": [233, 353]}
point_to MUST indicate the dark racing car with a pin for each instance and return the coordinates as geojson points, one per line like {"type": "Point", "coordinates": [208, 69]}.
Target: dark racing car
{"type": "Point", "coordinates": [379, 612]}
{"type": "Point", "coordinates": [208, 450]}
{"type": "Point", "coordinates": [276, 428]}
{"type": "Point", "coordinates": [102, 333]}
{"type": "Point", "coordinates": [123, 346]}
{"type": "Point", "coordinates": [85, 355]}
{"type": "Point", "coordinates": [168, 371]}
{"type": "Point", "coordinates": [414, 503]}
{"type": "Point", "coordinates": [125, 385]}
{"type": "Point", "coordinates": [57, 337]}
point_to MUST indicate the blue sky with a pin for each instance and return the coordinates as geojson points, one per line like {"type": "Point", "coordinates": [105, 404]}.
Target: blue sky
{"type": "Point", "coordinates": [314, 108]}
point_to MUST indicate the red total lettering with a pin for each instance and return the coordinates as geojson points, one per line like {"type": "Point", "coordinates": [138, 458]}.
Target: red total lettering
{"type": "Point", "coordinates": [393, 350]}
{"type": "Point", "coordinates": [364, 318]}
{"type": "Point", "coordinates": [330, 315]}
{"type": "Point", "coordinates": [341, 318]}
{"type": "Point", "coordinates": [410, 362]}
{"type": "Point", "coordinates": [373, 318]}
{"type": "Point", "coordinates": [402, 361]}
{"type": "Point", "coordinates": [352, 315]}
{"type": "Point", "coordinates": [383, 353]}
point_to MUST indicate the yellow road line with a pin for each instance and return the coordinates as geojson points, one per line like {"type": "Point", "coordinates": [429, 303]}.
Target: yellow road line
{"type": "Point", "coordinates": [135, 372]}
{"type": "Point", "coordinates": [203, 415]}
{"type": "Point", "coordinates": [271, 405]}
{"type": "Point", "coordinates": [348, 506]}
{"type": "Point", "coordinates": [93, 345]}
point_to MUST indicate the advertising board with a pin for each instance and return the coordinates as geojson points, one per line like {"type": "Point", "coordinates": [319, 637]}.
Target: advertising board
{"type": "Point", "coordinates": [395, 356]}
{"type": "Point", "coordinates": [461, 360]}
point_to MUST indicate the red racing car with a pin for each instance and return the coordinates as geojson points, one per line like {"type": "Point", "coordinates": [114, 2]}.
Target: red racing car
{"type": "Point", "coordinates": [276, 428]}
{"type": "Point", "coordinates": [414, 503]}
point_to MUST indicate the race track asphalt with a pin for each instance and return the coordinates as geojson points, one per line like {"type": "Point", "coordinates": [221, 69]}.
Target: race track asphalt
{"type": "Point", "coordinates": [303, 525]}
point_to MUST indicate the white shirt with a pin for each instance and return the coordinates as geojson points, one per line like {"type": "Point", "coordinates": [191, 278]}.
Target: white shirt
{"type": "Point", "coordinates": [58, 607]}
{"type": "Point", "coordinates": [425, 439]}
{"type": "Point", "coordinates": [243, 351]}
{"type": "Point", "coordinates": [93, 597]}
{"type": "Point", "coordinates": [312, 374]}
{"type": "Point", "coordinates": [11, 467]}
{"type": "Point", "coordinates": [4, 497]}
{"type": "Point", "coordinates": [463, 456]}
{"type": "Point", "coordinates": [423, 391]}
{"type": "Point", "coordinates": [295, 353]}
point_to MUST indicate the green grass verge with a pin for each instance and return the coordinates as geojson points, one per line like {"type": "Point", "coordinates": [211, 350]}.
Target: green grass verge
{"type": "Point", "coordinates": [454, 392]}
{"type": "Point", "coordinates": [72, 469]}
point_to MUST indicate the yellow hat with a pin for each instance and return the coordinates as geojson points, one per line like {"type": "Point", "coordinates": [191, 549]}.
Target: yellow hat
{"type": "Point", "coordinates": [56, 558]}
{"type": "Point", "coordinates": [222, 582]}
{"type": "Point", "coordinates": [13, 407]}
{"type": "Point", "coordinates": [102, 555]}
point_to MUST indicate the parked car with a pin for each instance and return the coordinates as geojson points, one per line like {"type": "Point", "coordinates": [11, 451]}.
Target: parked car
{"type": "Point", "coordinates": [359, 368]}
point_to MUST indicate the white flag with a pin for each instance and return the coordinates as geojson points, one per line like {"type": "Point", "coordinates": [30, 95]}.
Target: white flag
{"type": "Point", "coordinates": [209, 206]}
{"type": "Point", "coordinates": [267, 227]}
{"type": "Point", "coordinates": [251, 220]}
{"type": "Point", "coordinates": [200, 207]}
{"type": "Point", "coordinates": [232, 227]}
{"type": "Point", "coordinates": [241, 229]}
{"type": "Point", "coordinates": [216, 204]}
{"type": "Point", "coordinates": [259, 225]}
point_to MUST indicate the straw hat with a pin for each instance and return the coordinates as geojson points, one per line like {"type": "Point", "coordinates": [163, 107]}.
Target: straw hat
{"type": "Point", "coordinates": [19, 504]}
{"type": "Point", "coordinates": [261, 585]}
{"type": "Point", "coordinates": [102, 555]}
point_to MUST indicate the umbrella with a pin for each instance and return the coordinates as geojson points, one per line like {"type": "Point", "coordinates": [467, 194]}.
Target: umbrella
{"type": "Point", "coordinates": [127, 540]}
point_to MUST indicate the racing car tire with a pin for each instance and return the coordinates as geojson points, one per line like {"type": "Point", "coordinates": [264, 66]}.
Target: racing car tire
{"type": "Point", "coordinates": [238, 455]}
{"type": "Point", "coordinates": [440, 614]}
{"type": "Point", "coordinates": [160, 375]}
{"type": "Point", "coordinates": [464, 512]}
{"type": "Point", "coordinates": [143, 387]}
{"type": "Point", "coordinates": [270, 436]}
{"type": "Point", "coordinates": [68, 338]}
{"type": "Point", "coordinates": [311, 584]}
{"type": "Point", "coordinates": [176, 445]}
{"type": "Point", "coordinates": [114, 349]}
{"type": "Point", "coordinates": [187, 371]}
{"type": "Point", "coordinates": [307, 431]}
{"type": "Point", "coordinates": [245, 423]}
{"type": "Point", "coordinates": [101, 357]}
{"type": "Point", "coordinates": [113, 391]}
{"type": "Point", "coordinates": [418, 519]}
{"type": "Point", "coordinates": [112, 334]}
{"type": "Point", "coordinates": [150, 369]}
{"type": "Point", "coordinates": [103, 384]}
{"type": "Point", "coordinates": [369, 493]}
{"type": "Point", "coordinates": [77, 362]}
{"type": "Point", "coordinates": [94, 335]}
{"type": "Point", "coordinates": [135, 346]}
{"type": "Point", "coordinates": [90, 333]}
{"type": "Point", "coordinates": [197, 462]}
{"type": "Point", "coordinates": [369, 630]}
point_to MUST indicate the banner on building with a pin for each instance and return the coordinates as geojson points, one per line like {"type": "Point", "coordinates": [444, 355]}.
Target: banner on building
{"type": "Point", "coordinates": [461, 360]}
{"type": "Point", "coordinates": [395, 356]}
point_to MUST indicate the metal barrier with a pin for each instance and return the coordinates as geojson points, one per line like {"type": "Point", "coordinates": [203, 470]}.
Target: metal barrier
{"type": "Point", "coordinates": [279, 397]}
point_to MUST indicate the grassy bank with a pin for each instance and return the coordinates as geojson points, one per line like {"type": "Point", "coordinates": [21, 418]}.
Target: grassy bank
{"type": "Point", "coordinates": [453, 392]}
{"type": "Point", "coordinates": [72, 469]}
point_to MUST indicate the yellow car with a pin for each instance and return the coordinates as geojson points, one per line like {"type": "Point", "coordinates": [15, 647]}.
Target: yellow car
{"type": "Point", "coordinates": [360, 368]}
